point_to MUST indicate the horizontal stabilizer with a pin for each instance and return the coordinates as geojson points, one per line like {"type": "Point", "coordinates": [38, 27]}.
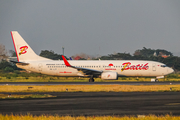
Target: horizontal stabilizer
{"type": "Point", "coordinates": [20, 63]}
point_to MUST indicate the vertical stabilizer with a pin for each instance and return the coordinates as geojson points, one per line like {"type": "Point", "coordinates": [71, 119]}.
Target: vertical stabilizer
{"type": "Point", "coordinates": [23, 50]}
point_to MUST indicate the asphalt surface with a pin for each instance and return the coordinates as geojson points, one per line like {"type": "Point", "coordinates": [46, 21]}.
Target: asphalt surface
{"type": "Point", "coordinates": [89, 83]}
{"type": "Point", "coordinates": [98, 103]}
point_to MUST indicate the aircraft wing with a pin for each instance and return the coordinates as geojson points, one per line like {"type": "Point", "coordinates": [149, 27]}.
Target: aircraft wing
{"type": "Point", "coordinates": [85, 71]}
{"type": "Point", "coordinates": [89, 71]}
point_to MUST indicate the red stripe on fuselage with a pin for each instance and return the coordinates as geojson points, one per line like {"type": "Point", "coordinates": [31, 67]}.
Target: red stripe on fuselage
{"type": "Point", "coordinates": [110, 69]}
{"type": "Point", "coordinates": [14, 46]}
{"type": "Point", "coordinates": [65, 72]}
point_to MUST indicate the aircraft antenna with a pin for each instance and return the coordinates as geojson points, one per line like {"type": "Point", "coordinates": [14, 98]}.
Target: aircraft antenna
{"type": "Point", "coordinates": [63, 50]}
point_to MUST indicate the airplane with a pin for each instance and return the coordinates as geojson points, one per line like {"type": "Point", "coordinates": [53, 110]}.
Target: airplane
{"type": "Point", "coordinates": [105, 69]}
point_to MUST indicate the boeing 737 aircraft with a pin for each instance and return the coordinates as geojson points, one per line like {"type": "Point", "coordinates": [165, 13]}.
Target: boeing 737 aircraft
{"type": "Point", "coordinates": [105, 69]}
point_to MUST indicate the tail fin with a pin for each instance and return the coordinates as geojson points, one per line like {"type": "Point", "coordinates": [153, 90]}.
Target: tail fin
{"type": "Point", "coordinates": [23, 50]}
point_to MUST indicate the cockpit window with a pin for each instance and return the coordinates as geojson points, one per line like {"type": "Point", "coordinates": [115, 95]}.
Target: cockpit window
{"type": "Point", "coordinates": [163, 66]}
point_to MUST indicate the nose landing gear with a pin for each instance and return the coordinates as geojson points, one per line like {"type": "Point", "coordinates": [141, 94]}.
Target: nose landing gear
{"type": "Point", "coordinates": [154, 80]}
{"type": "Point", "coordinates": [91, 79]}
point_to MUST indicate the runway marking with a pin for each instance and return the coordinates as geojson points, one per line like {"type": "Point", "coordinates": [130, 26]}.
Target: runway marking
{"type": "Point", "coordinates": [173, 104]}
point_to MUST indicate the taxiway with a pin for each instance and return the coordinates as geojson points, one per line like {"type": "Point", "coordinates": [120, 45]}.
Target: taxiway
{"type": "Point", "coordinates": [97, 103]}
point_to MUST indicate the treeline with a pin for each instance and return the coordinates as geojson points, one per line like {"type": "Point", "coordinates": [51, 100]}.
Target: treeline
{"type": "Point", "coordinates": [50, 54]}
{"type": "Point", "coordinates": [6, 66]}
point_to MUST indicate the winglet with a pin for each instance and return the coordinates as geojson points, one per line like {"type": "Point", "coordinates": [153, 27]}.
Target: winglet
{"type": "Point", "coordinates": [66, 62]}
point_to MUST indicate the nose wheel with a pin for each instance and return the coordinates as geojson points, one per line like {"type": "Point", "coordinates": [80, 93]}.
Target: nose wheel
{"type": "Point", "coordinates": [91, 79]}
{"type": "Point", "coordinates": [156, 80]}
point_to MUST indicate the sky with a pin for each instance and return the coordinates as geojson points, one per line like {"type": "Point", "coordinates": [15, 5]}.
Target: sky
{"type": "Point", "coordinates": [93, 27]}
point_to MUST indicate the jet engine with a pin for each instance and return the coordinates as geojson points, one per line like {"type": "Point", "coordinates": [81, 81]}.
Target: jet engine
{"type": "Point", "coordinates": [109, 76]}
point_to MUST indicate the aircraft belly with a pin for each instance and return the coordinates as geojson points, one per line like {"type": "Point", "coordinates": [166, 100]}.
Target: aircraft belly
{"type": "Point", "coordinates": [128, 73]}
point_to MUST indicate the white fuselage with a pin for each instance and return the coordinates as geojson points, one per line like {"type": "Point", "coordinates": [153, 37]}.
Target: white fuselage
{"type": "Point", "coordinates": [135, 68]}
{"type": "Point", "coordinates": [105, 69]}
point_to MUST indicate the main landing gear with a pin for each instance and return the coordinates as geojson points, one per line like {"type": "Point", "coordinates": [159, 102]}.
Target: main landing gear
{"type": "Point", "coordinates": [156, 80]}
{"type": "Point", "coordinates": [91, 79]}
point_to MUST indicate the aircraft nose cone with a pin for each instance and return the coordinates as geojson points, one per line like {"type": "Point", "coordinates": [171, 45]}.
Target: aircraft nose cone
{"type": "Point", "coordinates": [170, 70]}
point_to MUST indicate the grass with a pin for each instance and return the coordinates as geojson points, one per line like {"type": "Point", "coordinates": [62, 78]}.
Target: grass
{"type": "Point", "coordinates": [90, 88]}
{"type": "Point", "coordinates": [15, 96]}
{"type": "Point", "coordinates": [56, 117]}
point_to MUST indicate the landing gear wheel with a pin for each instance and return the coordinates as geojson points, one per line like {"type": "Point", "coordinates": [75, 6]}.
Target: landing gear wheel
{"type": "Point", "coordinates": [156, 80]}
{"type": "Point", "coordinates": [91, 80]}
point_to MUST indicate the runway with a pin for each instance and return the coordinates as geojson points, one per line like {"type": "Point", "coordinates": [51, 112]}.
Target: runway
{"type": "Point", "coordinates": [102, 103]}
{"type": "Point", "coordinates": [89, 83]}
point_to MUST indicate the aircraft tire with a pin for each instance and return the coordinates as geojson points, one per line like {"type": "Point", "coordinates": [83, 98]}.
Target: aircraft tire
{"type": "Point", "coordinates": [91, 80]}
{"type": "Point", "coordinates": [156, 80]}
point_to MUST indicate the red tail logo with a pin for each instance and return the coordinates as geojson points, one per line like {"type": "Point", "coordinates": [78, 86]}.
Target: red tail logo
{"type": "Point", "coordinates": [23, 50]}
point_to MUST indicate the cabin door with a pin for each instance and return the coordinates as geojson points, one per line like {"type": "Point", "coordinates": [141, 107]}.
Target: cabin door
{"type": "Point", "coordinates": [154, 67]}
{"type": "Point", "coordinates": [40, 67]}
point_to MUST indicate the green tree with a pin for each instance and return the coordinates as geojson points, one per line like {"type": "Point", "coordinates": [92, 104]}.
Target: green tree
{"type": "Point", "coordinates": [4, 64]}
{"type": "Point", "coordinates": [165, 52]}
{"type": "Point", "coordinates": [12, 53]}
{"type": "Point", "coordinates": [50, 54]}
{"type": "Point", "coordinates": [144, 52]}
{"type": "Point", "coordinates": [150, 52]}
{"type": "Point", "coordinates": [8, 69]}
{"type": "Point", "coordinates": [118, 56]}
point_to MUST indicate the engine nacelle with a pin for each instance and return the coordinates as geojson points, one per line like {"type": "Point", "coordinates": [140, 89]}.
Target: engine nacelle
{"type": "Point", "coordinates": [109, 76]}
